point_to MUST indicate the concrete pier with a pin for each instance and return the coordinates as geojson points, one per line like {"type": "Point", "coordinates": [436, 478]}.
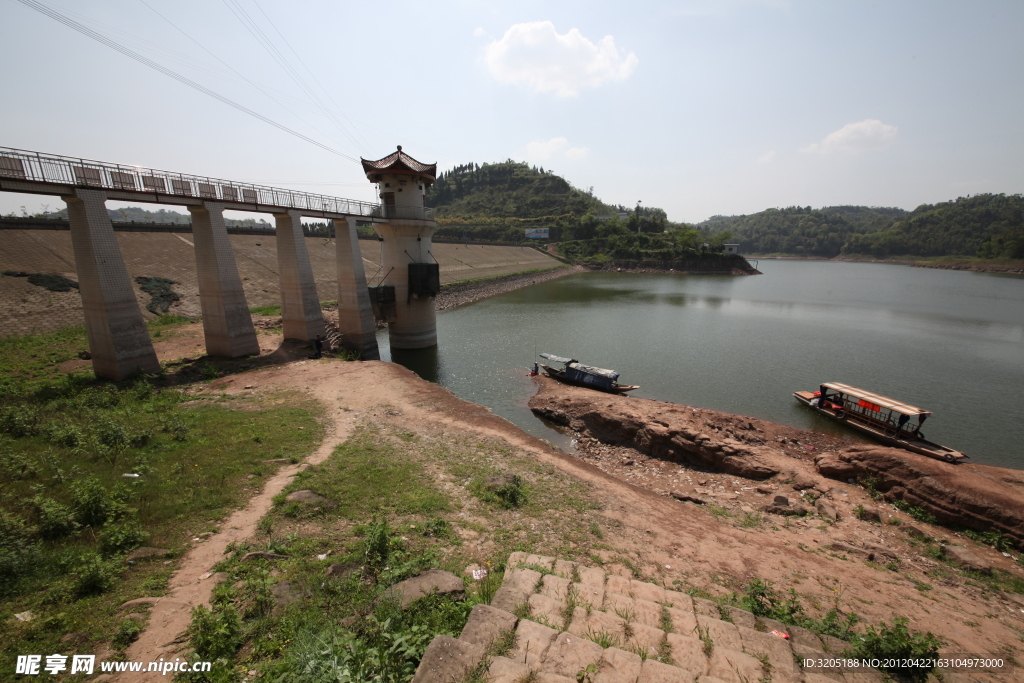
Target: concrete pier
{"type": "Point", "coordinates": [405, 242]}
{"type": "Point", "coordinates": [355, 315]}
{"type": "Point", "coordinates": [227, 324]}
{"type": "Point", "coordinates": [300, 304]}
{"type": "Point", "coordinates": [118, 339]}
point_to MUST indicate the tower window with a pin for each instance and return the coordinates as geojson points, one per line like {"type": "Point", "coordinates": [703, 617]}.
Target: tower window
{"type": "Point", "coordinates": [387, 184]}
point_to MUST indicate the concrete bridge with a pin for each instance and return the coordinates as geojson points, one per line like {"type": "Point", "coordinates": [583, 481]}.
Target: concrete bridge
{"type": "Point", "coordinates": [118, 339]}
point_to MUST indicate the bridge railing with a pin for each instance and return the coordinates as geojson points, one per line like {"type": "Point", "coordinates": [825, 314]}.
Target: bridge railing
{"type": "Point", "coordinates": [21, 164]}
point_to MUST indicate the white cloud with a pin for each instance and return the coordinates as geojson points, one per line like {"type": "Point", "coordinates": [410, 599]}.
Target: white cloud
{"type": "Point", "coordinates": [543, 150]}
{"type": "Point", "coordinates": [766, 157]}
{"type": "Point", "coordinates": [863, 136]}
{"type": "Point", "coordinates": [576, 153]}
{"type": "Point", "coordinates": [535, 54]}
{"type": "Point", "coordinates": [478, 31]}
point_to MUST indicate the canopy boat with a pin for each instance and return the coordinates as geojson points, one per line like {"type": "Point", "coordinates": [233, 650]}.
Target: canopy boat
{"type": "Point", "coordinates": [582, 375]}
{"type": "Point", "coordinates": [882, 418]}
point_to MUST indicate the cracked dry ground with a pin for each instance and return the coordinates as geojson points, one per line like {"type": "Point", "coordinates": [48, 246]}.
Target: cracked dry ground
{"type": "Point", "coordinates": [626, 524]}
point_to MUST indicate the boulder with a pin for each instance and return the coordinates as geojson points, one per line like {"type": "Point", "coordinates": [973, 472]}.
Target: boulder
{"type": "Point", "coordinates": [308, 497]}
{"type": "Point", "coordinates": [803, 482]}
{"type": "Point", "coordinates": [781, 501]}
{"type": "Point", "coordinates": [765, 489]}
{"type": "Point", "coordinates": [833, 467]}
{"type": "Point", "coordinates": [787, 510]}
{"type": "Point", "coordinates": [144, 553]}
{"type": "Point", "coordinates": [964, 558]}
{"type": "Point", "coordinates": [826, 510]}
{"type": "Point", "coordinates": [428, 583]}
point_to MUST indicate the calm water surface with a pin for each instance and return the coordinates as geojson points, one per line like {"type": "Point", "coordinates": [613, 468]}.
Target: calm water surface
{"type": "Point", "coordinates": [950, 342]}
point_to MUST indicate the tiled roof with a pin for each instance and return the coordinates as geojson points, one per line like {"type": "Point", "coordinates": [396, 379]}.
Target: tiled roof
{"type": "Point", "coordinates": [398, 162]}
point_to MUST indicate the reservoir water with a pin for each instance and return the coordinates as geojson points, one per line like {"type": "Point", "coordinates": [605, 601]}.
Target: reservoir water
{"type": "Point", "coordinates": [947, 341]}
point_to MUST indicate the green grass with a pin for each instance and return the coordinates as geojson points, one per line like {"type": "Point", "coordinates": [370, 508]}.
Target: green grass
{"type": "Point", "coordinates": [367, 475]}
{"type": "Point", "coordinates": [68, 515]}
{"type": "Point", "coordinates": [274, 309]}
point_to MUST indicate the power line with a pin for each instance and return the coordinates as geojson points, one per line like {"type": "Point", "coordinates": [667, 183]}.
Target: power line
{"type": "Point", "coordinates": [71, 23]}
{"type": "Point", "coordinates": [239, 74]}
{"type": "Point", "coordinates": [267, 44]}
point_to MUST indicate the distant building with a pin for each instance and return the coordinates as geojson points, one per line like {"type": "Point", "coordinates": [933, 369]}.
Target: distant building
{"type": "Point", "coordinates": [731, 248]}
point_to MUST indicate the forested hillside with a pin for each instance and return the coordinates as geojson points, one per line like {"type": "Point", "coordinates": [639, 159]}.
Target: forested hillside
{"type": "Point", "coordinates": [986, 225]}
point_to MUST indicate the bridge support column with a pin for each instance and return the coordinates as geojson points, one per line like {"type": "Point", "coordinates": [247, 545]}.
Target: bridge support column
{"type": "Point", "coordinates": [227, 324]}
{"type": "Point", "coordinates": [300, 304]}
{"type": "Point", "coordinates": [118, 339]}
{"type": "Point", "coordinates": [355, 315]}
{"type": "Point", "coordinates": [405, 242]}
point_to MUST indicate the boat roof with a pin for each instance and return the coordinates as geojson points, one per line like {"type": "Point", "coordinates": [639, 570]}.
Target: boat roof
{"type": "Point", "coordinates": [601, 372]}
{"type": "Point", "coordinates": [878, 399]}
{"type": "Point", "coordinates": [557, 359]}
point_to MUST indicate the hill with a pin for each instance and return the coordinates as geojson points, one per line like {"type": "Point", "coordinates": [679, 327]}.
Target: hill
{"type": "Point", "coordinates": [985, 225]}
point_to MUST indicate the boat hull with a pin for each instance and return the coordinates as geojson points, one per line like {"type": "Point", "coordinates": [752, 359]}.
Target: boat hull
{"type": "Point", "coordinates": [615, 389]}
{"type": "Point", "coordinates": [921, 446]}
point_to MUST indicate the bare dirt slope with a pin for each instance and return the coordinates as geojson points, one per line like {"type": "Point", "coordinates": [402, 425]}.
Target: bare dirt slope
{"type": "Point", "coordinates": [716, 547]}
{"type": "Point", "coordinates": [29, 309]}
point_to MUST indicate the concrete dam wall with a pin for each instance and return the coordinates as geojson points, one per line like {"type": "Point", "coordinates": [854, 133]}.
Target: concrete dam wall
{"type": "Point", "coordinates": [27, 308]}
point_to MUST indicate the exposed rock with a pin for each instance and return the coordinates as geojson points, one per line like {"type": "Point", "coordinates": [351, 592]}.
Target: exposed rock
{"type": "Point", "coordinates": [428, 583]}
{"type": "Point", "coordinates": [797, 510]}
{"type": "Point", "coordinates": [75, 639]}
{"type": "Point", "coordinates": [917, 532]}
{"type": "Point", "coordinates": [841, 547]}
{"type": "Point", "coordinates": [140, 601]}
{"type": "Point", "coordinates": [803, 482]}
{"type": "Point", "coordinates": [263, 556]}
{"type": "Point", "coordinates": [335, 569]}
{"type": "Point", "coordinates": [781, 501]}
{"type": "Point", "coordinates": [962, 557]}
{"type": "Point", "coordinates": [826, 510]}
{"type": "Point", "coordinates": [447, 659]}
{"type": "Point", "coordinates": [765, 489]}
{"type": "Point", "coordinates": [486, 623]}
{"type": "Point", "coordinates": [500, 481]}
{"type": "Point", "coordinates": [688, 497]}
{"type": "Point", "coordinates": [144, 553]}
{"type": "Point", "coordinates": [309, 498]}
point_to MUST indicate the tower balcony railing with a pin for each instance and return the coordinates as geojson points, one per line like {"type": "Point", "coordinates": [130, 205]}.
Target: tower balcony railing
{"type": "Point", "coordinates": [18, 164]}
{"type": "Point", "coordinates": [421, 213]}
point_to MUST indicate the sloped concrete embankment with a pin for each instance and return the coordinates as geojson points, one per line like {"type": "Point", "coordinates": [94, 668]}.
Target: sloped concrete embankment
{"type": "Point", "coordinates": [975, 497]}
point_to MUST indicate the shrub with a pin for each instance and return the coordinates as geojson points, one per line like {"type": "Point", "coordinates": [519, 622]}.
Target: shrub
{"type": "Point", "coordinates": [215, 634]}
{"type": "Point", "coordinates": [16, 547]}
{"type": "Point", "coordinates": [19, 420]}
{"type": "Point", "coordinates": [762, 600]}
{"type": "Point", "coordinates": [89, 501]}
{"type": "Point", "coordinates": [63, 434]}
{"type": "Point", "coordinates": [55, 520]}
{"type": "Point", "coordinates": [505, 491]}
{"type": "Point", "coordinates": [122, 535]}
{"type": "Point", "coordinates": [379, 544]}
{"type": "Point", "coordinates": [127, 633]}
{"type": "Point", "coordinates": [94, 577]}
{"type": "Point", "coordinates": [897, 643]}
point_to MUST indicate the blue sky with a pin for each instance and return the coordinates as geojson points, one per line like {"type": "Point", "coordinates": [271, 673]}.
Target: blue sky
{"type": "Point", "coordinates": [701, 107]}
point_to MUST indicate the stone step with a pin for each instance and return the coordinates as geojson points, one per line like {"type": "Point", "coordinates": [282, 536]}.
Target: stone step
{"type": "Point", "coordinates": [574, 619]}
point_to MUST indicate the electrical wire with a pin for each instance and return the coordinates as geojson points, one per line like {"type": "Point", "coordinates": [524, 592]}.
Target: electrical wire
{"type": "Point", "coordinates": [113, 44]}
{"type": "Point", "coordinates": [268, 45]}
{"type": "Point", "coordinates": [239, 74]}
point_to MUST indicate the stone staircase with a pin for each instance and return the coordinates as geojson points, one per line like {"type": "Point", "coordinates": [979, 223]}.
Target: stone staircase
{"type": "Point", "coordinates": [578, 624]}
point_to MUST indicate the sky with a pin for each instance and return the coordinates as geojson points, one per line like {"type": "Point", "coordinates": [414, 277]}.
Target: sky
{"type": "Point", "coordinates": [700, 107]}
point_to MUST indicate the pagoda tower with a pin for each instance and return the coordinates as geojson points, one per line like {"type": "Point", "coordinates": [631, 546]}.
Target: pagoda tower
{"type": "Point", "coordinates": [407, 262]}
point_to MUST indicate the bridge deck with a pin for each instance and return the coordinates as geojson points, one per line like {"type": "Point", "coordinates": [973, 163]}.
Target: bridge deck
{"type": "Point", "coordinates": [49, 174]}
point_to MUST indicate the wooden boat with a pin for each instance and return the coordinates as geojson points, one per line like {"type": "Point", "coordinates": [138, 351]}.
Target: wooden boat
{"type": "Point", "coordinates": [581, 375]}
{"type": "Point", "coordinates": [880, 417]}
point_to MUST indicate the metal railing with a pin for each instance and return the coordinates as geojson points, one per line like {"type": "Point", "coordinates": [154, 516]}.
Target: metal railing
{"type": "Point", "coordinates": [18, 164]}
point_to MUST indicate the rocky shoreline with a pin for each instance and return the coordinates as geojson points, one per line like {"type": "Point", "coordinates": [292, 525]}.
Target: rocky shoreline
{"type": "Point", "coordinates": [980, 498]}
{"type": "Point", "coordinates": [460, 293]}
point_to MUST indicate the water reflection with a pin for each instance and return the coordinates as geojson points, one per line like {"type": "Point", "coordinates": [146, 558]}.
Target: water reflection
{"type": "Point", "coordinates": [424, 362]}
